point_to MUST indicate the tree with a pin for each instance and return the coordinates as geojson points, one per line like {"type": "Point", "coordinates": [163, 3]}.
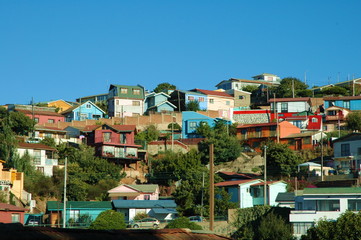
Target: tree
{"type": "Point", "coordinates": [193, 106]}
{"type": "Point", "coordinates": [8, 142]}
{"type": "Point", "coordinates": [281, 161]}
{"type": "Point", "coordinates": [176, 126]}
{"type": "Point", "coordinates": [284, 90]}
{"type": "Point", "coordinates": [150, 133]}
{"type": "Point", "coordinates": [226, 145]}
{"type": "Point", "coordinates": [183, 222]}
{"type": "Point", "coordinates": [164, 86]}
{"type": "Point", "coordinates": [20, 123]}
{"type": "Point", "coordinates": [108, 220]}
{"type": "Point", "coordinates": [347, 226]}
{"type": "Point", "coordinates": [103, 105]}
{"type": "Point", "coordinates": [250, 88]}
{"type": "Point", "coordinates": [353, 121]}
{"type": "Point", "coordinates": [273, 227]}
{"type": "Point", "coordinates": [48, 141]}
{"type": "Point", "coordinates": [334, 90]}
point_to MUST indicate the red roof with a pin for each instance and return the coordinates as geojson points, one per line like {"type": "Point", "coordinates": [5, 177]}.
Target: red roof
{"type": "Point", "coordinates": [233, 183]}
{"type": "Point", "coordinates": [262, 183]}
{"type": "Point", "coordinates": [342, 98]}
{"type": "Point", "coordinates": [35, 146]}
{"type": "Point", "coordinates": [257, 125]}
{"type": "Point", "coordinates": [90, 128]}
{"type": "Point", "coordinates": [302, 99]}
{"type": "Point", "coordinates": [45, 113]}
{"type": "Point", "coordinates": [5, 207]}
{"type": "Point", "coordinates": [127, 128]}
{"type": "Point", "coordinates": [216, 93]}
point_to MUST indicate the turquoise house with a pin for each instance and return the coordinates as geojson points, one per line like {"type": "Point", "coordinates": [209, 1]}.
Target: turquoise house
{"type": "Point", "coordinates": [87, 110]}
{"type": "Point", "coordinates": [350, 102]}
{"type": "Point", "coordinates": [78, 213]}
{"type": "Point", "coordinates": [158, 102]}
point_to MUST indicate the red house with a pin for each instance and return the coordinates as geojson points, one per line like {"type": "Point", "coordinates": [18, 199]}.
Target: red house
{"type": "Point", "coordinates": [39, 114]}
{"type": "Point", "coordinates": [11, 214]}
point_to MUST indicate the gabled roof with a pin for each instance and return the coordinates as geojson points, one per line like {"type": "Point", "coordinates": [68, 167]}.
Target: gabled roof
{"type": "Point", "coordinates": [37, 146]}
{"type": "Point", "coordinates": [143, 188]}
{"type": "Point", "coordinates": [43, 113]}
{"type": "Point", "coordinates": [89, 128]}
{"type": "Point", "coordinates": [153, 94]}
{"type": "Point", "coordinates": [144, 204]}
{"type": "Point", "coordinates": [165, 102]}
{"type": "Point", "coordinates": [235, 182]}
{"type": "Point", "coordinates": [349, 137]}
{"type": "Point", "coordinates": [300, 99]}
{"type": "Point", "coordinates": [285, 197]}
{"type": "Point", "coordinates": [212, 93]}
{"type": "Point", "coordinates": [56, 205]}
{"type": "Point", "coordinates": [332, 191]}
{"type": "Point", "coordinates": [87, 102]}
{"type": "Point", "coordinates": [10, 207]}
{"type": "Point", "coordinates": [123, 128]}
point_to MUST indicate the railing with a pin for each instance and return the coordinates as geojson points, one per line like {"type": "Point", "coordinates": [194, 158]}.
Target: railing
{"type": "Point", "coordinates": [334, 118]}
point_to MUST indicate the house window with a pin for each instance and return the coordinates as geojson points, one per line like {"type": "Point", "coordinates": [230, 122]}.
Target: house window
{"type": "Point", "coordinates": [192, 125]}
{"type": "Point", "coordinates": [358, 151]}
{"type": "Point", "coordinates": [36, 120]}
{"type": "Point", "coordinates": [190, 98]}
{"type": "Point", "coordinates": [88, 106]}
{"type": "Point", "coordinates": [228, 103]}
{"type": "Point", "coordinates": [284, 107]}
{"type": "Point", "coordinates": [136, 103]}
{"type": "Point", "coordinates": [74, 214]}
{"type": "Point", "coordinates": [124, 90]}
{"type": "Point", "coordinates": [328, 205]}
{"type": "Point", "coordinates": [83, 116]}
{"type": "Point", "coordinates": [307, 140]}
{"type": "Point", "coordinates": [37, 157]}
{"type": "Point", "coordinates": [147, 197]}
{"type": "Point", "coordinates": [136, 91]}
{"type": "Point", "coordinates": [354, 205]}
{"type": "Point", "coordinates": [48, 135]}
{"type": "Point", "coordinates": [345, 149]}
{"type": "Point", "coordinates": [331, 103]}
{"type": "Point", "coordinates": [96, 116]}
{"type": "Point", "coordinates": [51, 120]}
{"type": "Point", "coordinates": [314, 120]}
{"type": "Point", "coordinates": [241, 97]}
{"type": "Point", "coordinates": [201, 99]}
{"type": "Point", "coordinates": [123, 138]}
{"type": "Point", "coordinates": [40, 169]}
{"type": "Point", "coordinates": [211, 100]}
{"type": "Point", "coordinates": [15, 217]}
{"type": "Point", "coordinates": [49, 154]}
{"type": "Point", "coordinates": [346, 104]}
{"type": "Point", "coordinates": [300, 228]}
{"type": "Point", "coordinates": [107, 137]}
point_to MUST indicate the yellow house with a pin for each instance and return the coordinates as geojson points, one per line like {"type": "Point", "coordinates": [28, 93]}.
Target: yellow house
{"type": "Point", "coordinates": [60, 104]}
{"type": "Point", "coordinates": [11, 181]}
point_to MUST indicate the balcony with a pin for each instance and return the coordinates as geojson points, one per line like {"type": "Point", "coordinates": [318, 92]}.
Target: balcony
{"type": "Point", "coordinates": [51, 162]}
{"type": "Point", "coordinates": [334, 118]}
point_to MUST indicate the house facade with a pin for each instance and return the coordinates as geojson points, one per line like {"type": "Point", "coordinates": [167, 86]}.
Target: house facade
{"type": "Point", "coordinates": [40, 115]}
{"type": "Point", "coordinates": [43, 157]}
{"type": "Point", "coordinates": [242, 99]}
{"type": "Point", "coordinates": [11, 181]}
{"type": "Point", "coordinates": [41, 132]}
{"type": "Point", "coordinates": [180, 99]}
{"type": "Point", "coordinates": [125, 101]}
{"type": "Point", "coordinates": [158, 102]}
{"type": "Point", "coordinates": [87, 110]}
{"type": "Point", "coordinates": [135, 192]}
{"type": "Point", "coordinates": [60, 104]}
{"type": "Point", "coordinates": [163, 210]}
{"type": "Point", "coordinates": [350, 102]}
{"type": "Point", "coordinates": [76, 212]}
{"type": "Point", "coordinates": [314, 204]}
{"type": "Point", "coordinates": [290, 105]}
{"type": "Point", "coordinates": [94, 98]}
{"type": "Point", "coordinates": [335, 118]}
{"type": "Point", "coordinates": [11, 213]}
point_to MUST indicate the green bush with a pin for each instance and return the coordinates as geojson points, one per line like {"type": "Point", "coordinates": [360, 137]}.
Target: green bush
{"type": "Point", "coordinates": [183, 222]}
{"type": "Point", "coordinates": [108, 220]}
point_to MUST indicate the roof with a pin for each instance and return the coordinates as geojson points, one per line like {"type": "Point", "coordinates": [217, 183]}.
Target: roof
{"type": "Point", "coordinates": [190, 92]}
{"type": "Point", "coordinates": [257, 125]}
{"type": "Point", "coordinates": [237, 175]}
{"type": "Point", "coordinates": [46, 113]}
{"type": "Point", "coordinates": [18, 231]}
{"type": "Point", "coordinates": [38, 146]}
{"type": "Point", "coordinates": [285, 197]}
{"type": "Point", "coordinates": [257, 81]}
{"type": "Point", "coordinates": [301, 99]}
{"type": "Point", "coordinates": [214, 93]}
{"type": "Point", "coordinates": [9, 207]}
{"type": "Point", "coordinates": [88, 128]}
{"type": "Point", "coordinates": [56, 205]}
{"type": "Point", "coordinates": [50, 129]}
{"type": "Point", "coordinates": [165, 102]}
{"type": "Point", "coordinates": [267, 183]}
{"type": "Point", "coordinates": [300, 135]}
{"type": "Point", "coordinates": [342, 98]}
{"type": "Point", "coordinates": [235, 182]}
{"type": "Point", "coordinates": [84, 103]}
{"type": "Point", "coordinates": [266, 74]}
{"type": "Point", "coordinates": [164, 210]}
{"type": "Point", "coordinates": [309, 164]}
{"type": "Point", "coordinates": [144, 204]}
{"type": "Point", "coordinates": [340, 190]}
{"type": "Point", "coordinates": [349, 137]}
{"type": "Point", "coordinates": [123, 128]}
{"type": "Point", "coordinates": [145, 188]}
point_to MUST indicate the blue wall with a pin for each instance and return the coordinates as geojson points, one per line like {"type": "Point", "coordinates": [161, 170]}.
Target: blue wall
{"type": "Point", "coordinates": [88, 110]}
{"type": "Point", "coordinates": [350, 104]}
{"type": "Point", "coordinates": [190, 122]}
{"type": "Point", "coordinates": [203, 105]}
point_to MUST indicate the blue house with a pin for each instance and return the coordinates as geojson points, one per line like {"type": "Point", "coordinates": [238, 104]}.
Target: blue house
{"type": "Point", "coordinates": [349, 102]}
{"type": "Point", "coordinates": [87, 110]}
{"type": "Point", "coordinates": [163, 210]}
{"type": "Point", "coordinates": [78, 213]}
{"type": "Point", "coordinates": [191, 120]}
{"type": "Point", "coordinates": [181, 98]}
{"type": "Point", "coordinates": [158, 102]}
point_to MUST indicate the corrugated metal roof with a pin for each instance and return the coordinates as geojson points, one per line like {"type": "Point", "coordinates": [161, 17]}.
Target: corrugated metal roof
{"type": "Point", "coordinates": [340, 190]}
{"type": "Point", "coordinates": [235, 182]}
{"type": "Point", "coordinates": [144, 204]}
{"type": "Point", "coordinates": [5, 207]}
{"type": "Point", "coordinates": [285, 197]}
{"type": "Point", "coordinates": [35, 146]}
{"type": "Point", "coordinates": [55, 205]}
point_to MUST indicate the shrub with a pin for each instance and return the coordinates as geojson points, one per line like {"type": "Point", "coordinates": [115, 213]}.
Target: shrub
{"type": "Point", "coordinates": [183, 222]}
{"type": "Point", "coordinates": [108, 220]}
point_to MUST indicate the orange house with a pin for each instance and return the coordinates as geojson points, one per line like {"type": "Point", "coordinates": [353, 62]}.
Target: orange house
{"type": "Point", "coordinates": [254, 134]}
{"type": "Point", "coordinates": [60, 104]}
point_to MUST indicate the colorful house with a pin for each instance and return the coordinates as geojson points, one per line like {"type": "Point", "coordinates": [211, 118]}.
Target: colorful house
{"type": "Point", "coordinates": [11, 214]}
{"type": "Point", "coordinates": [78, 213]}
{"type": "Point", "coordinates": [41, 132]}
{"type": "Point", "coordinates": [11, 181]}
{"type": "Point", "coordinates": [180, 99]}
{"type": "Point", "coordinates": [350, 102]}
{"type": "Point", "coordinates": [43, 157]}
{"type": "Point", "coordinates": [135, 192]}
{"type": "Point", "coordinates": [335, 118]}
{"type": "Point", "coordinates": [125, 101]}
{"type": "Point", "coordinates": [87, 110]}
{"type": "Point", "coordinates": [40, 115]}
{"type": "Point", "coordinates": [60, 105]}
{"type": "Point", "coordinates": [290, 105]}
{"type": "Point", "coordinates": [163, 210]}
{"type": "Point", "coordinates": [158, 102]}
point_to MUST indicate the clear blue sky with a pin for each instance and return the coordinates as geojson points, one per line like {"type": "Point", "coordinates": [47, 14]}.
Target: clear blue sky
{"type": "Point", "coordinates": [68, 49]}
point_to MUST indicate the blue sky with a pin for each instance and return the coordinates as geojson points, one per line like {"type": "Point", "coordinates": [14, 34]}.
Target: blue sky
{"type": "Point", "coordinates": [68, 49]}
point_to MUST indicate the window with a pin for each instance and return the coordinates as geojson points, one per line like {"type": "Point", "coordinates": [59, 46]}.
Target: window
{"type": "Point", "coordinates": [107, 137]}
{"type": "Point", "coordinates": [83, 116]}
{"type": "Point", "coordinates": [345, 149]}
{"type": "Point", "coordinates": [346, 104]}
{"type": "Point", "coordinates": [284, 107]}
{"type": "Point", "coordinates": [136, 91]}
{"type": "Point", "coordinates": [314, 120]}
{"type": "Point", "coordinates": [48, 135]}
{"type": "Point", "coordinates": [123, 138]}
{"type": "Point", "coordinates": [301, 228]}
{"type": "Point", "coordinates": [328, 205]}
{"type": "Point", "coordinates": [147, 197]}
{"type": "Point", "coordinates": [96, 116]}
{"type": "Point", "coordinates": [124, 90]}
{"type": "Point", "coordinates": [201, 99]}
{"type": "Point", "coordinates": [136, 103]}
{"type": "Point", "coordinates": [307, 140]}
{"type": "Point", "coordinates": [228, 103]}
{"type": "Point", "coordinates": [241, 97]}
{"type": "Point", "coordinates": [74, 214]}
{"type": "Point", "coordinates": [36, 120]}
{"type": "Point", "coordinates": [354, 205]}
{"type": "Point", "coordinates": [192, 126]}
{"type": "Point", "coordinates": [190, 98]}
{"type": "Point", "coordinates": [15, 217]}
{"type": "Point", "coordinates": [37, 157]}
{"type": "Point", "coordinates": [40, 169]}
{"type": "Point", "coordinates": [49, 154]}
{"type": "Point", "coordinates": [331, 103]}
{"type": "Point", "coordinates": [211, 100]}
{"type": "Point", "coordinates": [358, 151]}
{"type": "Point", "coordinates": [88, 106]}
{"type": "Point", "coordinates": [51, 120]}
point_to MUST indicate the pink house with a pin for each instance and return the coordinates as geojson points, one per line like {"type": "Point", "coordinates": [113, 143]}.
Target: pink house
{"type": "Point", "coordinates": [135, 192]}
{"type": "Point", "coordinates": [11, 213]}
{"type": "Point", "coordinates": [39, 114]}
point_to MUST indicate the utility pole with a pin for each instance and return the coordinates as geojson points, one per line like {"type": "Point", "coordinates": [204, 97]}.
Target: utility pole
{"type": "Point", "coordinates": [265, 176]}
{"type": "Point", "coordinates": [65, 176]}
{"type": "Point", "coordinates": [322, 177]}
{"type": "Point", "coordinates": [276, 116]}
{"type": "Point", "coordinates": [202, 195]}
{"type": "Point", "coordinates": [211, 186]}
{"type": "Point", "coordinates": [293, 88]}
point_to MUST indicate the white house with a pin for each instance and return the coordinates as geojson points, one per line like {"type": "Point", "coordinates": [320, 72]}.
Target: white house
{"type": "Point", "coordinates": [135, 192]}
{"type": "Point", "coordinates": [316, 203]}
{"type": "Point", "coordinates": [43, 157]}
{"type": "Point", "coordinates": [290, 105]}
